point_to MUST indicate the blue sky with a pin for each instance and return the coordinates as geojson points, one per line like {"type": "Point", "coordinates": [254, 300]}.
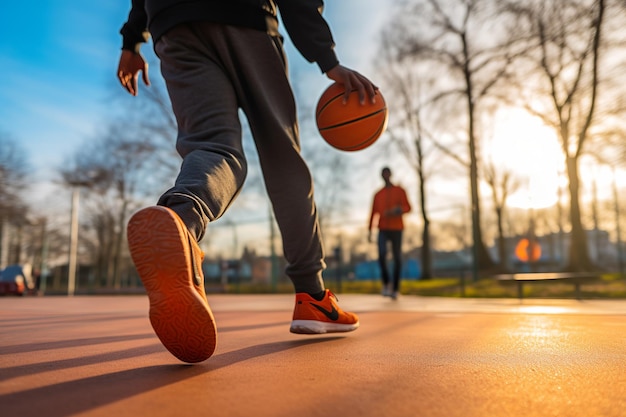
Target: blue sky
{"type": "Point", "coordinates": [57, 60]}
{"type": "Point", "coordinates": [58, 63]}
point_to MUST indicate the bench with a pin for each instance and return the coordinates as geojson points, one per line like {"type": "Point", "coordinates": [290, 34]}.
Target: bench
{"type": "Point", "coordinates": [576, 278]}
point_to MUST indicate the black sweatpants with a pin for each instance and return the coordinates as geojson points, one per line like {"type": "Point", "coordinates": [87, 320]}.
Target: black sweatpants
{"type": "Point", "coordinates": [395, 238]}
{"type": "Point", "coordinates": [211, 71]}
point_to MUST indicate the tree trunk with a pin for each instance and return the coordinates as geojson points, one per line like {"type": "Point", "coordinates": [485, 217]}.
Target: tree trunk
{"type": "Point", "coordinates": [427, 269]}
{"type": "Point", "coordinates": [482, 260]}
{"type": "Point", "coordinates": [578, 252]}
{"type": "Point", "coordinates": [501, 242]}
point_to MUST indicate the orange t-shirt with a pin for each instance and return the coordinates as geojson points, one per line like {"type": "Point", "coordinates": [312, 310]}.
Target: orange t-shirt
{"type": "Point", "coordinates": [390, 203]}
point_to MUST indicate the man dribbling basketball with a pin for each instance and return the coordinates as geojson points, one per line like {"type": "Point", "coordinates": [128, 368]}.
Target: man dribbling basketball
{"type": "Point", "coordinates": [390, 204]}
{"type": "Point", "coordinates": [218, 56]}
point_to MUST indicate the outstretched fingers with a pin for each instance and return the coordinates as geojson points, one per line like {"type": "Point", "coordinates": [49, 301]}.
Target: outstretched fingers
{"type": "Point", "coordinates": [128, 71]}
{"type": "Point", "coordinates": [353, 81]}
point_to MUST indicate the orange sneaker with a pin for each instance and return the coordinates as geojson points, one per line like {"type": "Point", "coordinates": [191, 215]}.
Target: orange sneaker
{"type": "Point", "coordinates": [169, 263]}
{"type": "Point", "coordinates": [317, 317]}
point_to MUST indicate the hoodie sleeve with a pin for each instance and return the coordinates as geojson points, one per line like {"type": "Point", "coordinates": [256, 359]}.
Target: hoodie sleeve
{"type": "Point", "coordinates": [135, 30]}
{"type": "Point", "coordinates": [309, 31]}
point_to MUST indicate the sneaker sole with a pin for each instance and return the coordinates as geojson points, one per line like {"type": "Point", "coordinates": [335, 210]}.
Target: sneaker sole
{"type": "Point", "coordinates": [320, 327]}
{"type": "Point", "coordinates": [179, 315]}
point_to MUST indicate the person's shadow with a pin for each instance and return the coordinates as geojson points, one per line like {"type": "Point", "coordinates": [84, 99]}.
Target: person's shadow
{"type": "Point", "coordinates": [73, 397]}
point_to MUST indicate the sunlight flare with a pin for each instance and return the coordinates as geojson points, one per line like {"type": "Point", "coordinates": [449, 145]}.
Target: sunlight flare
{"type": "Point", "coordinates": [531, 151]}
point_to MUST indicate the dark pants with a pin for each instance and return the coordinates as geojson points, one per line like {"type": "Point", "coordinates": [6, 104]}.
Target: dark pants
{"type": "Point", "coordinates": [211, 72]}
{"type": "Point", "coordinates": [395, 238]}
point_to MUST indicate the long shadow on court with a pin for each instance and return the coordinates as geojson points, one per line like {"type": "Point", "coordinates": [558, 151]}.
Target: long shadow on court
{"type": "Point", "coordinates": [71, 343]}
{"type": "Point", "coordinates": [100, 358]}
{"type": "Point", "coordinates": [72, 397]}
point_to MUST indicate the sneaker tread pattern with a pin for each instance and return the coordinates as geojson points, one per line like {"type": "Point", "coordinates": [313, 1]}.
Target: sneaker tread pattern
{"type": "Point", "coordinates": [179, 314]}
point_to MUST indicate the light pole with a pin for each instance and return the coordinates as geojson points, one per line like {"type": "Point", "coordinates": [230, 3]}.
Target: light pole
{"type": "Point", "coordinates": [617, 224]}
{"type": "Point", "coordinates": [73, 253]}
{"type": "Point", "coordinates": [71, 268]}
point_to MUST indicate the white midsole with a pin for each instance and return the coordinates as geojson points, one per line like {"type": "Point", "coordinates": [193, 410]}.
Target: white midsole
{"type": "Point", "coordinates": [320, 327]}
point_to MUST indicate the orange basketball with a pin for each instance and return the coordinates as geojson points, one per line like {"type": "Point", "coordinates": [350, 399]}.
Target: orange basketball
{"type": "Point", "coordinates": [350, 126]}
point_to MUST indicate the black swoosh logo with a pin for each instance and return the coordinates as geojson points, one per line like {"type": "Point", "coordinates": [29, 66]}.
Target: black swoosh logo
{"type": "Point", "coordinates": [332, 314]}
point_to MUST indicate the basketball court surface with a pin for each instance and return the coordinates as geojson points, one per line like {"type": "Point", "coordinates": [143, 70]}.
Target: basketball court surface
{"type": "Point", "coordinates": [98, 356]}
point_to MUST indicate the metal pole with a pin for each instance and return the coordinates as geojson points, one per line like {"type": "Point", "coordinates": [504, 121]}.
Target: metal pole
{"type": "Point", "coordinates": [620, 258]}
{"type": "Point", "coordinates": [71, 270]}
{"type": "Point", "coordinates": [43, 269]}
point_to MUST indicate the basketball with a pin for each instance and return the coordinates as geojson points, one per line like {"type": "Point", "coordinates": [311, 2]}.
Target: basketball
{"type": "Point", "coordinates": [350, 126]}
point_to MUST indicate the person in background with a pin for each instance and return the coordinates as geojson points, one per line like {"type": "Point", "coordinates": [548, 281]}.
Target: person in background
{"type": "Point", "coordinates": [390, 204]}
{"type": "Point", "coordinates": [219, 56]}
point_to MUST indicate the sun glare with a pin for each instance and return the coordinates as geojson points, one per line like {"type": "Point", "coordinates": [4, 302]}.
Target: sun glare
{"type": "Point", "coordinates": [530, 150]}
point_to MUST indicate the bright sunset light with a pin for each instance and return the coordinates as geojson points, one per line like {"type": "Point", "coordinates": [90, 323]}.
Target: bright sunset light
{"type": "Point", "coordinates": [524, 145]}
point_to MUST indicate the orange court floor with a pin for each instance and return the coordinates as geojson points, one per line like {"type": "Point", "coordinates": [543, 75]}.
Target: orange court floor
{"type": "Point", "coordinates": [417, 356]}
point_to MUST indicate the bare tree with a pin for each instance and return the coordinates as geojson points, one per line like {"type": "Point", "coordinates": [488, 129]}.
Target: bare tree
{"type": "Point", "coordinates": [471, 53]}
{"type": "Point", "coordinates": [405, 99]}
{"type": "Point", "coordinates": [502, 184]}
{"type": "Point", "coordinates": [562, 84]}
{"type": "Point", "coordinates": [13, 170]}
{"type": "Point", "coordinates": [113, 169]}
{"type": "Point", "coordinates": [14, 173]}
{"type": "Point", "coordinates": [332, 185]}
{"type": "Point", "coordinates": [129, 162]}
{"type": "Point", "coordinates": [451, 235]}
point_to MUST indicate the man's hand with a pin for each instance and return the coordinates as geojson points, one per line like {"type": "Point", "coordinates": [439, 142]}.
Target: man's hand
{"type": "Point", "coordinates": [128, 71]}
{"type": "Point", "coordinates": [394, 212]}
{"type": "Point", "coordinates": [352, 80]}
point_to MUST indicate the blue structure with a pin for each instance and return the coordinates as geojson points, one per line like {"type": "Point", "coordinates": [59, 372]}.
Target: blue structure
{"type": "Point", "coordinates": [370, 270]}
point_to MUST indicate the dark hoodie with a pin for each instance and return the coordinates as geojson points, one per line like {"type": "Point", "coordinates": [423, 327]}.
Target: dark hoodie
{"type": "Point", "coordinates": [302, 18]}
